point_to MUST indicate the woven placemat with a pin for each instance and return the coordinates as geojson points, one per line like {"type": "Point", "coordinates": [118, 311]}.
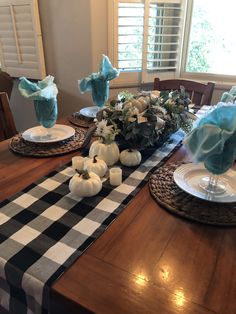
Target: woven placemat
{"type": "Point", "coordinates": [25, 148]}
{"type": "Point", "coordinates": [176, 201]}
{"type": "Point", "coordinates": [79, 120]}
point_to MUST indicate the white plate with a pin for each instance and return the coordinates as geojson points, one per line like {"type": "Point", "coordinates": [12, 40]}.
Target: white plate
{"type": "Point", "coordinates": [58, 132]}
{"type": "Point", "coordinates": [89, 112]}
{"type": "Point", "coordinates": [187, 177]}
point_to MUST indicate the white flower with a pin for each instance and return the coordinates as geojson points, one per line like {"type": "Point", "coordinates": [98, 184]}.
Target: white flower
{"type": "Point", "coordinates": [106, 132]}
{"type": "Point", "coordinates": [119, 106]}
{"type": "Point", "coordinates": [102, 128]}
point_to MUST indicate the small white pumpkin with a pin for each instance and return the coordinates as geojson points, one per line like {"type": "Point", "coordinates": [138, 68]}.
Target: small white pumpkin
{"type": "Point", "coordinates": [141, 104]}
{"type": "Point", "coordinates": [144, 101]}
{"type": "Point", "coordinates": [108, 152]}
{"type": "Point", "coordinates": [85, 185]}
{"type": "Point", "coordinates": [96, 165]}
{"type": "Point", "coordinates": [130, 157]}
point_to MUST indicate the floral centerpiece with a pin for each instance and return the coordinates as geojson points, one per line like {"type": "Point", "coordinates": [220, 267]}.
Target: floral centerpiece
{"type": "Point", "coordinates": [146, 119]}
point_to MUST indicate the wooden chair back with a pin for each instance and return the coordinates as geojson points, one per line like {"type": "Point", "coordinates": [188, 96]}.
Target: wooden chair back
{"type": "Point", "coordinates": [7, 124]}
{"type": "Point", "coordinates": [200, 94]}
{"type": "Point", "coordinates": [6, 83]}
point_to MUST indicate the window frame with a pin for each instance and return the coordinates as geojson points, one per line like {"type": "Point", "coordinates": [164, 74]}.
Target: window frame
{"type": "Point", "coordinates": [138, 77]}
{"type": "Point", "coordinates": [135, 78]}
{"type": "Point", "coordinates": [199, 76]}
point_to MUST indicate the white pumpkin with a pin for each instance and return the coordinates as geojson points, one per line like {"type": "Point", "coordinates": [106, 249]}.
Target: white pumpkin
{"type": "Point", "coordinates": [108, 152]}
{"type": "Point", "coordinates": [130, 157]}
{"type": "Point", "coordinates": [96, 165]}
{"type": "Point", "coordinates": [85, 185]}
{"type": "Point", "coordinates": [144, 101]}
{"type": "Point", "coordinates": [140, 105]}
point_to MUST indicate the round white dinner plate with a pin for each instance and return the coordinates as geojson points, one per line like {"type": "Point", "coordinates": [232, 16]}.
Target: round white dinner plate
{"type": "Point", "coordinates": [187, 177]}
{"type": "Point", "coordinates": [89, 112]}
{"type": "Point", "coordinates": [58, 132]}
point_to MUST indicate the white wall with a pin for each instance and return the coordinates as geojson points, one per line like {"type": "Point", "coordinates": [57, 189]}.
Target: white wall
{"type": "Point", "coordinates": [74, 37]}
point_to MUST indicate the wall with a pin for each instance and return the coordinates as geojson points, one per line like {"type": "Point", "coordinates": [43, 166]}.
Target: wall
{"type": "Point", "coordinates": [74, 37]}
{"type": "Point", "coordinates": [71, 53]}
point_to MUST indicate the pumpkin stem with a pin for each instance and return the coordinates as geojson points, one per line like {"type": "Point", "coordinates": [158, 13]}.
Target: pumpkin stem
{"type": "Point", "coordinates": [79, 171]}
{"type": "Point", "coordinates": [130, 150]}
{"type": "Point", "coordinates": [84, 173]}
{"type": "Point", "coordinates": [95, 159]}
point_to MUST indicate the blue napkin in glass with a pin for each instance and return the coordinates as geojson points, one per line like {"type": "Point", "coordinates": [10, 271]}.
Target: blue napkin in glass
{"type": "Point", "coordinates": [43, 90]}
{"type": "Point", "coordinates": [213, 140]}
{"type": "Point", "coordinates": [229, 96]}
{"type": "Point", "coordinates": [98, 83]}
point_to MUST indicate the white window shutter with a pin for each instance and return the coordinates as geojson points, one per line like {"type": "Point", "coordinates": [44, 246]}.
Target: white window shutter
{"type": "Point", "coordinates": [130, 35]}
{"type": "Point", "coordinates": [125, 39]}
{"type": "Point", "coordinates": [162, 51]}
{"type": "Point", "coordinates": [21, 47]}
{"type": "Point", "coordinates": [147, 38]}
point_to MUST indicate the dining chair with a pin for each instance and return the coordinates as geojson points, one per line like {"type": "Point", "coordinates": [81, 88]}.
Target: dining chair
{"type": "Point", "coordinates": [6, 83]}
{"type": "Point", "coordinates": [7, 124]}
{"type": "Point", "coordinates": [199, 93]}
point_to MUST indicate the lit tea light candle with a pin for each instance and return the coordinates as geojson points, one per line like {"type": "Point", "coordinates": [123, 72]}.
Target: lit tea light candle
{"type": "Point", "coordinates": [115, 175]}
{"type": "Point", "coordinates": [78, 163]}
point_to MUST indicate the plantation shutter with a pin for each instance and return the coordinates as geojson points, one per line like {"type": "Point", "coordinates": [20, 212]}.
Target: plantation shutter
{"type": "Point", "coordinates": [163, 30]}
{"type": "Point", "coordinates": [130, 35]}
{"type": "Point", "coordinates": [147, 37]}
{"type": "Point", "coordinates": [21, 48]}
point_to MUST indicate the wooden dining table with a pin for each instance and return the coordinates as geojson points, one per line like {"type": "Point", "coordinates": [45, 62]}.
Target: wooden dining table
{"type": "Point", "coordinates": [147, 261]}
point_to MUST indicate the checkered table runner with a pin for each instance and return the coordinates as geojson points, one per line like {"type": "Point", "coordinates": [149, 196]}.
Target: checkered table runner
{"type": "Point", "coordinates": [44, 229]}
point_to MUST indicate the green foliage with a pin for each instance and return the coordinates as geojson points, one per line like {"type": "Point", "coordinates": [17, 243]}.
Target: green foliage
{"type": "Point", "coordinates": [162, 116]}
{"type": "Point", "coordinates": [125, 95]}
{"type": "Point", "coordinates": [200, 40]}
{"type": "Point", "coordinates": [176, 101]}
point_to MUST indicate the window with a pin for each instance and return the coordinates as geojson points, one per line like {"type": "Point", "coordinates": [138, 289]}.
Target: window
{"type": "Point", "coordinates": [210, 49]}
{"type": "Point", "coordinates": [21, 49]}
{"type": "Point", "coordinates": [147, 38]}
{"type": "Point", "coordinates": [191, 39]}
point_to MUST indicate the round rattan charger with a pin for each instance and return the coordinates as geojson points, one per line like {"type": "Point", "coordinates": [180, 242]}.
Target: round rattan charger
{"type": "Point", "coordinates": [80, 120]}
{"type": "Point", "coordinates": [173, 199]}
{"type": "Point", "coordinates": [25, 148]}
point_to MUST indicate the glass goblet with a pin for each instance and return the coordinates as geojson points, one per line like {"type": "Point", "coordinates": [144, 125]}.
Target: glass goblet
{"type": "Point", "coordinates": [46, 114]}
{"type": "Point", "coordinates": [213, 184]}
{"type": "Point", "coordinates": [100, 93]}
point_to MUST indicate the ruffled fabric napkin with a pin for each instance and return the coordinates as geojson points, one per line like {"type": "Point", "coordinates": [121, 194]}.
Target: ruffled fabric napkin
{"type": "Point", "coordinates": [98, 83]}
{"type": "Point", "coordinates": [229, 96]}
{"type": "Point", "coordinates": [43, 90]}
{"type": "Point", "coordinates": [44, 95]}
{"type": "Point", "coordinates": [213, 141]}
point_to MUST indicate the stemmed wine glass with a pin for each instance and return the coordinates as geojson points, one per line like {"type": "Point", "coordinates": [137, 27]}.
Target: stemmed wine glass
{"type": "Point", "coordinates": [213, 184]}
{"type": "Point", "coordinates": [213, 141]}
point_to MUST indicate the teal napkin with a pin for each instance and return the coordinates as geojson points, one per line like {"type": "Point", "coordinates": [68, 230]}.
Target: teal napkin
{"type": "Point", "coordinates": [229, 96]}
{"type": "Point", "coordinates": [213, 140]}
{"type": "Point", "coordinates": [98, 83]}
{"type": "Point", "coordinates": [43, 90]}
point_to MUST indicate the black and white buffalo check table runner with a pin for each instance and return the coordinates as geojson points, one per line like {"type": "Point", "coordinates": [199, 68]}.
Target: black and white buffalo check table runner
{"type": "Point", "coordinates": [44, 229]}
